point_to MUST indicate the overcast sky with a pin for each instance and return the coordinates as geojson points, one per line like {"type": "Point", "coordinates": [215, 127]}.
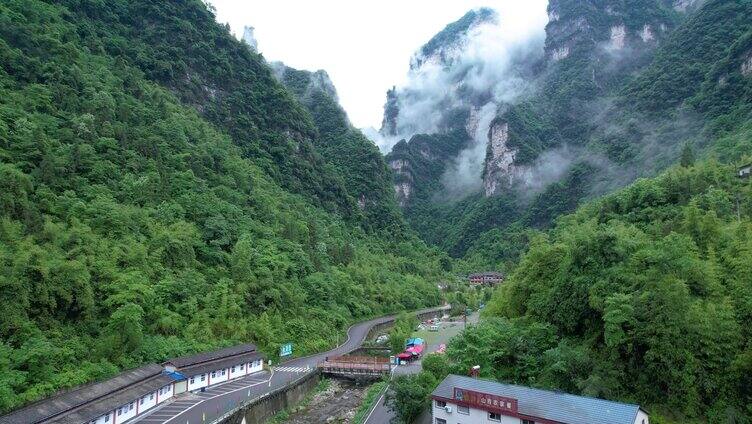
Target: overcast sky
{"type": "Point", "coordinates": [365, 46]}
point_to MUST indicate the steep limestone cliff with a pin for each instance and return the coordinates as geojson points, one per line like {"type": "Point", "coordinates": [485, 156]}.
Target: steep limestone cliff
{"type": "Point", "coordinates": [499, 169]}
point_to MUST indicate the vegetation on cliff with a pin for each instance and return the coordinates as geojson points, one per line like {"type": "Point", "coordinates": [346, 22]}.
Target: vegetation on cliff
{"type": "Point", "coordinates": [161, 193]}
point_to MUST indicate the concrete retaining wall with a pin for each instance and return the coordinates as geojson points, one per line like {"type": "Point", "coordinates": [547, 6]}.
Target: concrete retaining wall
{"type": "Point", "coordinates": [264, 408]}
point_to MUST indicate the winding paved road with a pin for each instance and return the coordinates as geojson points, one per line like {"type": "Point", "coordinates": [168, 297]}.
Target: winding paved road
{"type": "Point", "coordinates": [381, 414]}
{"type": "Point", "coordinates": [197, 408]}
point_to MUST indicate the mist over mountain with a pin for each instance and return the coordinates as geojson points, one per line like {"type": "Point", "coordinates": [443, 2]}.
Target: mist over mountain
{"type": "Point", "coordinates": [166, 190]}
{"type": "Point", "coordinates": [495, 121]}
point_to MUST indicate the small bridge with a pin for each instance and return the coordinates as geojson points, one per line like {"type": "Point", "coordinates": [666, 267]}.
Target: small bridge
{"type": "Point", "coordinates": [356, 367]}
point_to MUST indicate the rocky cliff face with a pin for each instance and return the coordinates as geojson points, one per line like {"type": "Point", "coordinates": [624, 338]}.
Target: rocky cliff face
{"type": "Point", "coordinates": [597, 44]}
{"type": "Point", "coordinates": [746, 68]}
{"type": "Point", "coordinates": [403, 185]}
{"type": "Point", "coordinates": [499, 168]}
{"type": "Point", "coordinates": [418, 107]}
{"type": "Point", "coordinates": [588, 26]}
{"type": "Point", "coordinates": [598, 102]}
{"type": "Point", "coordinates": [249, 37]}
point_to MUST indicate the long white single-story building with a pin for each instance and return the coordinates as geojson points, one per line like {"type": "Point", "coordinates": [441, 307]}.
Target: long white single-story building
{"type": "Point", "coordinates": [134, 392]}
{"type": "Point", "coordinates": [111, 401]}
{"type": "Point", "coordinates": [209, 368]}
{"type": "Point", "coordinates": [465, 400]}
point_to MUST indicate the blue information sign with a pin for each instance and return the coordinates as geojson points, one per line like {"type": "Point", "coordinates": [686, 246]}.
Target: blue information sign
{"type": "Point", "coordinates": [285, 349]}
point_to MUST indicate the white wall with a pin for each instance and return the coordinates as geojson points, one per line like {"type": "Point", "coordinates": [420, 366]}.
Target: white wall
{"type": "Point", "coordinates": [147, 402]}
{"type": "Point", "coordinates": [219, 376]}
{"type": "Point", "coordinates": [256, 366]}
{"type": "Point", "coordinates": [197, 382]}
{"type": "Point", "coordinates": [475, 416]}
{"type": "Point", "coordinates": [101, 420]}
{"type": "Point", "coordinates": [236, 371]}
{"type": "Point", "coordinates": [224, 374]}
{"type": "Point", "coordinates": [125, 412]}
{"type": "Point", "coordinates": [642, 418]}
{"type": "Point", "coordinates": [164, 393]}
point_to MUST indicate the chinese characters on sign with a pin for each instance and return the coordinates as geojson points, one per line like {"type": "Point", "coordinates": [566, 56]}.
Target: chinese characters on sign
{"type": "Point", "coordinates": [285, 350]}
{"type": "Point", "coordinates": [485, 401]}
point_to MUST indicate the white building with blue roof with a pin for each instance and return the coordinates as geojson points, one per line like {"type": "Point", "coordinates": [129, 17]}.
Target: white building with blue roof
{"type": "Point", "coordinates": [465, 400]}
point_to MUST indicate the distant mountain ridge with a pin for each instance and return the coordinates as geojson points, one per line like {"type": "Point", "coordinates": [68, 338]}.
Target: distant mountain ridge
{"type": "Point", "coordinates": [585, 114]}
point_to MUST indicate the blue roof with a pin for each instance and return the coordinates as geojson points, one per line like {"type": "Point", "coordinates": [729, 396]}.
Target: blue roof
{"type": "Point", "coordinates": [560, 407]}
{"type": "Point", "coordinates": [176, 376]}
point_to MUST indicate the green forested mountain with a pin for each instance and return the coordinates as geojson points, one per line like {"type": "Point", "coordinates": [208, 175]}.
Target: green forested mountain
{"type": "Point", "coordinates": [644, 295]}
{"type": "Point", "coordinates": [162, 193]}
{"type": "Point", "coordinates": [354, 158]}
{"type": "Point", "coordinates": [180, 46]}
{"type": "Point", "coordinates": [619, 88]}
{"type": "Point", "coordinates": [641, 295]}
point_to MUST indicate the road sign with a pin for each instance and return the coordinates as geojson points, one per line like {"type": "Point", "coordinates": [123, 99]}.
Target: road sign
{"type": "Point", "coordinates": [285, 349]}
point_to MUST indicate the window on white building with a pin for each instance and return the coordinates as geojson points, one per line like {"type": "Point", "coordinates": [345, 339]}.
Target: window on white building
{"type": "Point", "coordinates": [130, 407]}
{"type": "Point", "coordinates": [233, 369]}
{"type": "Point", "coordinates": [493, 416]}
{"type": "Point", "coordinates": [528, 422]}
{"type": "Point", "coordinates": [120, 411]}
{"type": "Point", "coordinates": [463, 409]}
{"type": "Point", "coordinates": [143, 399]}
{"type": "Point", "coordinates": [107, 418]}
{"type": "Point", "coordinates": [151, 396]}
{"type": "Point", "coordinates": [203, 377]}
{"type": "Point", "coordinates": [440, 421]}
{"type": "Point", "coordinates": [242, 366]}
{"type": "Point", "coordinates": [214, 374]}
{"type": "Point", "coordinates": [440, 404]}
{"type": "Point", "coordinates": [223, 372]}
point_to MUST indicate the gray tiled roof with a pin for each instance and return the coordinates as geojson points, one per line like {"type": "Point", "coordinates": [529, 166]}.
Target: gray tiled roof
{"type": "Point", "coordinates": [218, 364]}
{"type": "Point", "coordinates": [109, 403]}
{"type": "Point", "coordinates": [190, 360]}
{"type": "Point", "coordinates": [54, 407]}
{"type": "Point", "coordinates": [560, 407]}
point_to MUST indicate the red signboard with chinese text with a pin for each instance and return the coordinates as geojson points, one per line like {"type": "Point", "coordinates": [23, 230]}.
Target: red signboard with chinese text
{"type": "Point", "coordinates": [492, 403]}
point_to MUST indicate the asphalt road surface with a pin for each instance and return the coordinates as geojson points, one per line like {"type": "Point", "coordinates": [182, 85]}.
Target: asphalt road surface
{"type": "Point", "coordinates": [381, 414]}
{"type": "Point", "coordinates": [197, 408]}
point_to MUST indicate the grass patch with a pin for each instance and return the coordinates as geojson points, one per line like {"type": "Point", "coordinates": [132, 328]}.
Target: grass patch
{"type": "Point", "coordinates": [370, 398]}
{"type": "Point", "coordinates": [284, 415]}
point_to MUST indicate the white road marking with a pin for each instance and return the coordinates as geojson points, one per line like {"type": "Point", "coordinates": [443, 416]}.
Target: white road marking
{"type": "Point", "coordinates": [216, 396]}
{"type": "Point", "coordinates": [293, 369]}
{"type": "Point", "coordinates": [376, 405]}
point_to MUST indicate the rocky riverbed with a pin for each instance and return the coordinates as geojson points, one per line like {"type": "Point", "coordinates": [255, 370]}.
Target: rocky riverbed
{"type": "Point", "coordinates": [336, 404]}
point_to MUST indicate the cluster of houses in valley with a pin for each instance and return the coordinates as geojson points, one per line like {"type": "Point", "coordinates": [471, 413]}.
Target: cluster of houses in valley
{"type": "Point", "coordinates": [135, 392]}
{"type": "Point", "coordinates": [488, 278]}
